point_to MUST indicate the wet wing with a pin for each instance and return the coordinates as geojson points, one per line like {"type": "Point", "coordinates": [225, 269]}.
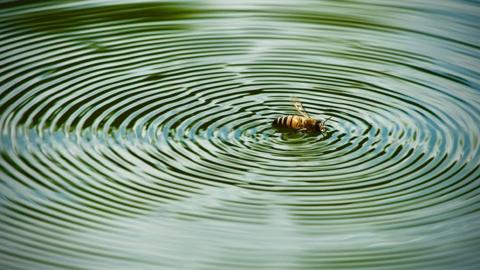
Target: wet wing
{"type": "Point", "coordinates": [298, 105]}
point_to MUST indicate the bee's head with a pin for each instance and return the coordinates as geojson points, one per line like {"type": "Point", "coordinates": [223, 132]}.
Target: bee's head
{"type": "Point", "coordinates": [321, 125]}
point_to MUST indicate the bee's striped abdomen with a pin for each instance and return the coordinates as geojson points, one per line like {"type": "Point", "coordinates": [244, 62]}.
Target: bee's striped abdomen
{"type": "Point", "coordinates": [283, 121]}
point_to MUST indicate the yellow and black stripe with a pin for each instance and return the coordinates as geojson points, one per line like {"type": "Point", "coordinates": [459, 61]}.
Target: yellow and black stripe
{"type": "Point", "coordinates": [283, 121]}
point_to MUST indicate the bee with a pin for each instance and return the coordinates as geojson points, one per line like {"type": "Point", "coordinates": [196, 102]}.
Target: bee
{"type": "Point", "coordinates": [302, 122]}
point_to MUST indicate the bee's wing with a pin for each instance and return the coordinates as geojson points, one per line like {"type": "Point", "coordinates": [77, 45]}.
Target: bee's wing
{"type": "Point", "coordinates": [298, 105]}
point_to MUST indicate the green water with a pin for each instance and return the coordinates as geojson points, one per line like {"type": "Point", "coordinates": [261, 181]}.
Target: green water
{"type": "Point", "coordinates": [137, 135]}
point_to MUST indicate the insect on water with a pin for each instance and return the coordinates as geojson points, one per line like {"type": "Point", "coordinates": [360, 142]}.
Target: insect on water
{"type": "Point", "coordinates": [302, 122]}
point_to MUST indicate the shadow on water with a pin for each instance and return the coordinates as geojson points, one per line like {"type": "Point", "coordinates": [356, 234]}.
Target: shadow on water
{"type": "Point", "coordinates": [64, 19]}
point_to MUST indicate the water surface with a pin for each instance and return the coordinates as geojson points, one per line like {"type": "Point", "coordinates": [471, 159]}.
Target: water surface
{"type": "Point", "coordinates": [137, 135]}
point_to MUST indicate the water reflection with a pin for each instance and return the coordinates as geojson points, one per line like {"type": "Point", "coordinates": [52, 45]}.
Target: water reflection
{"type": "Point", "coordinates": [138, 135]}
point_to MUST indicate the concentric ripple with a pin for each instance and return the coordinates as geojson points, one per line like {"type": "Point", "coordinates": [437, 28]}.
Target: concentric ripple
{"type": "Point", "coordinates": [137, 135]}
